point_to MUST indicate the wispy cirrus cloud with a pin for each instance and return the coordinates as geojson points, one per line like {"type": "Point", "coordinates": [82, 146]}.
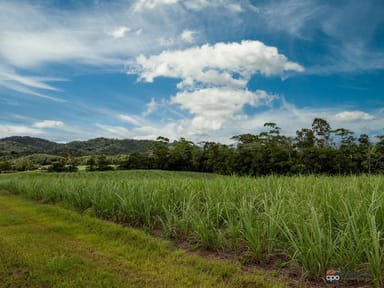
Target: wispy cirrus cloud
{"type": "Point", "coordinates": [30, 85]}
{"type": "Point", "coordinates": [134, 120]}
{"type": "Point", "coordinates": [171, 130]}
{"type": "Point", "coordinates": [25, 90]}
{"type": "Point", "coordinates": [31, 81]}
{"type": "Point", "coordinates": [11, 130]}
{"type": "Point", "coordinates": [49, 124]}
{"type": "Point", "coordinates": [196, 5]}
{"type": "Point", "coordinates": [349, 116]}
{"type": "Point", "coordinates": [348, 46]}
{"type": "Point", "coordinates": [36, 35]}
{"type": "Point", "coordinates": [151, 4]}
{"type": "Point", "coordinates": [151, 107]}
{"type": "Point", "coordinates": [188, 36]}
{"type": "Point", "coordinates": [120, 32]}
{"type": "Point", "coordinates": [297, 17]}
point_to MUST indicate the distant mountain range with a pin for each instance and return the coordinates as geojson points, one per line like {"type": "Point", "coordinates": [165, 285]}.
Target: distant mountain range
{"type": "Point", "coordinates": [16, 146]}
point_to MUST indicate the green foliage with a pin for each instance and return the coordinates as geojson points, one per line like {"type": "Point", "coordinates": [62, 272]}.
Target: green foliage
{"type": "Point", "coordinates": [59, 264]}
{"type": "Point", "coordinates": [99, 163]}
{"type": "Point", "coordinates": [23, 164]}
{"type": "Point", "coordinates": [318, 222]}
{"type": "Point", "coordinates": [91, 164]}
{"type": "Point", "coordinates": [17, 146]}
{"type": "Point", "coordinates": [5, 166]}
{"type": "Point", "coordinates": [59, 166]}
{"type": "Point", "coordinates": [183, 156]}
{"type": "Point", "coordinates": [102, 163]}
{"type": "Point", "coordinates": [161, 153]}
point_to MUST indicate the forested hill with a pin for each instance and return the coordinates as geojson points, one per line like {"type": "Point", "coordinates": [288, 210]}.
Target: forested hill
{"type": "Point", "coordinates": [16, 146]}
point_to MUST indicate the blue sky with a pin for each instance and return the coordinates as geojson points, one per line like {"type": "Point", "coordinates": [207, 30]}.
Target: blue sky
{"type": "Point", "coordinates": [199, 69]}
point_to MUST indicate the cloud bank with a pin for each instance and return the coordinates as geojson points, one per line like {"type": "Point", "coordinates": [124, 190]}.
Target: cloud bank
{"type": "Point", "coordinates": [214, 78]}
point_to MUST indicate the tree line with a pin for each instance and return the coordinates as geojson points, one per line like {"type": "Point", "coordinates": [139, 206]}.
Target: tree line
{"type": "Point", "coordinates": [316, 150]}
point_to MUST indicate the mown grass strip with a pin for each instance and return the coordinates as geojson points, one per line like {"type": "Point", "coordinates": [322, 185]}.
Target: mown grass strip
{"type": "Point", "coordinates": [48, 246]}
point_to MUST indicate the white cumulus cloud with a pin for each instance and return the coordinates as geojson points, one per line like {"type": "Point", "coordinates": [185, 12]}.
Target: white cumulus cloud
{"type": "Point", "coordinates": [213, 107]}
{"type": "Point", "coordinates": [220, 102]}
{"type": "Point", "coordinates": [219, 64]}
{"type": "Point", "coordinates": [214, 78]}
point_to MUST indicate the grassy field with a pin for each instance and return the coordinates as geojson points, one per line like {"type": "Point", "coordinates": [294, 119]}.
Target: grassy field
{"type": "Point", "coordinates": [48, 246]}
{"type": "Point", "coordinates": [311, 222]}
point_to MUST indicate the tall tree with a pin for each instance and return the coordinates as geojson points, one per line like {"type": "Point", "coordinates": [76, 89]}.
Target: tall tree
{"type": "Point", "coordinates": [321, 130]}
{"type": "Point", "coordinates": [183, 155]}
{"type": "Point", "coordinates": [365, 154]}
{"type": "Point", "coordinates": [5, 166]}
{"type": "Point", "coordinates": [161, 153]}
{"type": "Point", "coordinates": [304, 145]}
{"type": "Point", "coordinates": [346, 157]}
{"type": "Point", "coordinates": [378, 155]}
